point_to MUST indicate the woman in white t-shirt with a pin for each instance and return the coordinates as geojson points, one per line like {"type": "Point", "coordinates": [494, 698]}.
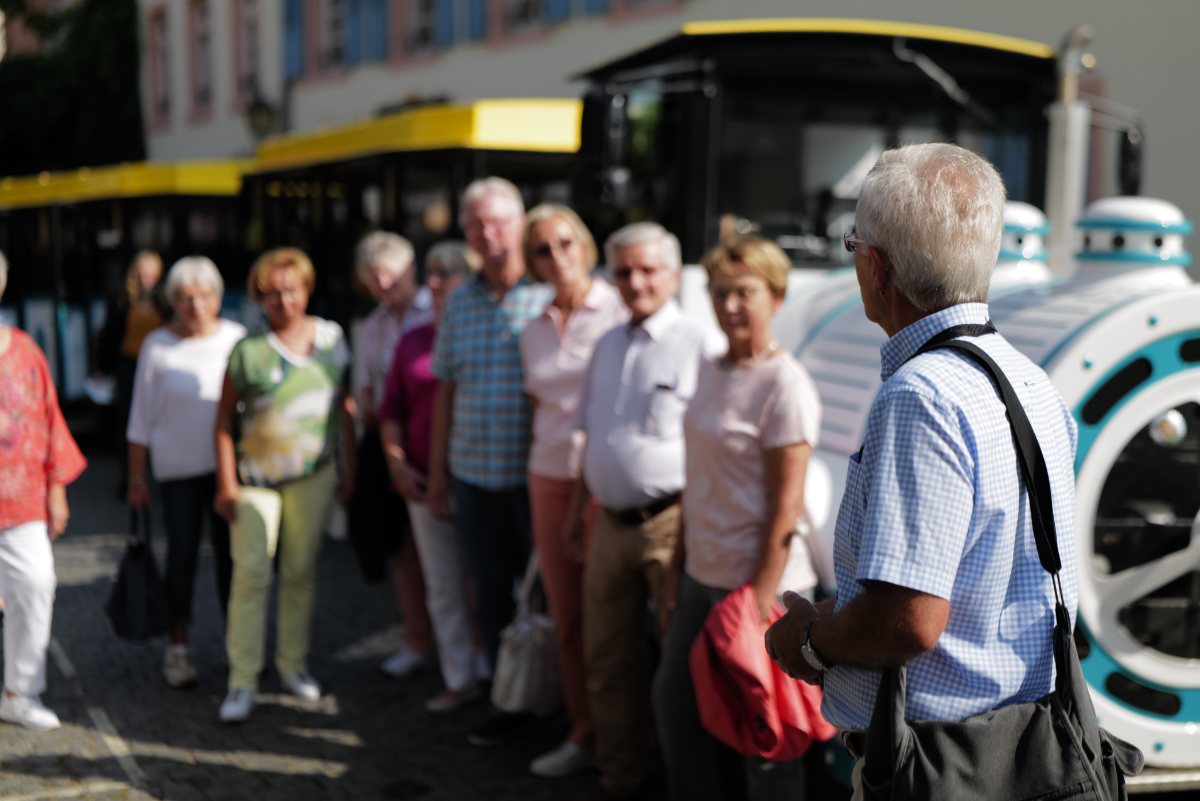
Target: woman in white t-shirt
{"type": "Point", "coordinates": [749, 431]}
{"type": "Point", "coordinates": [180, 372]}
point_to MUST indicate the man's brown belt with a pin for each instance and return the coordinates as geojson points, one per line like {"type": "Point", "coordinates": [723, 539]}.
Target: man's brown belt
{"type": "Point", "coordinates": [632, 518]}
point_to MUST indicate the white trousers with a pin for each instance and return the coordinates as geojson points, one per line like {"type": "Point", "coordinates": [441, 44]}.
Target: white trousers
{"type": "Point", "coordinates": [27, 585]}
{"type": "Point", "coordinates": [445, 594]}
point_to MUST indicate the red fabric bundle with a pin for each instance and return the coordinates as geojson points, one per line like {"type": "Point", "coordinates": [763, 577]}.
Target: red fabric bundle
{"type": "Point", "coordinates": [745, 700]}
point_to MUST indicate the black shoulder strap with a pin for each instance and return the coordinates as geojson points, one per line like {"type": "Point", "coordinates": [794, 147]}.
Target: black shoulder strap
{"type": "Point", "coordinates": [1033, 464]}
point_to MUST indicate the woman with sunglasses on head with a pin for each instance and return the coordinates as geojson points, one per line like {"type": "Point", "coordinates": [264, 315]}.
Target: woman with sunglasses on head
{"type": "Point", "coordinates": [555, 350]}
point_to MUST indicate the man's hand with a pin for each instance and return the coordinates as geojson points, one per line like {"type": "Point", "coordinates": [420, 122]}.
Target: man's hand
{"type": "Point", "coordinates": [785, 637]}
{"type": "Point", "coordinates": [57, 512]}
{"type": "Point", "coordinates": [573, 533]}
{"type": "Point", "coordinates": [225, 504]}
{"type": "Point", "coordinates": [138, 495]}
{"type": "Point", "coordinates": [437, 496]}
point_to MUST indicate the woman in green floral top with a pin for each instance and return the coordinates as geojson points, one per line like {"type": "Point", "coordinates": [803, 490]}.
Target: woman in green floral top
{"type": "Point", "coordinates": [286, 390]}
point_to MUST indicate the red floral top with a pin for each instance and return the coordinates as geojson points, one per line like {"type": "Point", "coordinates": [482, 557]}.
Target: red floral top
{"type": "Point", "coordinates": [35, 446]}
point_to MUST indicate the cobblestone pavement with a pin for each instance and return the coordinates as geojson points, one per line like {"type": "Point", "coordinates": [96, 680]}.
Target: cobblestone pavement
{"type": "Point", "coordinates": [126, 735]}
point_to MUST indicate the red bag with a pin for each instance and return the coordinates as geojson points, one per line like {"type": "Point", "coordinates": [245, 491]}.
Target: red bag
{"type": "Point", "coordinates": [745, 700]}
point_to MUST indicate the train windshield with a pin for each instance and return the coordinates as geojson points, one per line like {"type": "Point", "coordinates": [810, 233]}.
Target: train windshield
{"type": "Point", "coordinates": [779, 130]}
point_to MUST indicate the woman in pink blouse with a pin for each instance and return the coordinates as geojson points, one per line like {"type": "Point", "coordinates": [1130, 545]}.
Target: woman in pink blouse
{"type": "Point", "coordinates": [39, 459]}
{"type": "Point", "coordinates": [555, 350]}
{"type": "Point", "coordinates": [405, 427]}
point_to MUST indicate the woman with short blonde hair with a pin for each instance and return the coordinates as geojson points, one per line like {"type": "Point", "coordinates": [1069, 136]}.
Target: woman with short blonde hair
{"type": "Point", "coordinates": [285, 390]}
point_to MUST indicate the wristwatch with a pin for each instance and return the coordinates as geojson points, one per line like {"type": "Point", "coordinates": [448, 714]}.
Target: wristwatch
{"type": "Point", "coordinates": [810, 654]}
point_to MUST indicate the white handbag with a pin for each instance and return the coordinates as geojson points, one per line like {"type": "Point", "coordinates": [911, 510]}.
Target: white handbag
{"type": "Point", "coordinates": [527, 678]}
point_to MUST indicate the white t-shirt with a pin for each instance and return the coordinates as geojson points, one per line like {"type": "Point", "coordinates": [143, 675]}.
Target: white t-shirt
{"type": "Point", "coordinates": [175, 396]}
{"type": "Point", "coordinates": [734, 418]}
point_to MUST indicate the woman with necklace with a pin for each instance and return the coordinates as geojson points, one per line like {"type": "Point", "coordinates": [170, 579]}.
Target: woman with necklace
{"type": "Point", "coordinates": [555, 350]}
{"type": "Point", "coordinates": [180, 371]}
{"type": "Point", "coordinates": [287, 389]}
{"type": "Point", "coordinates": [749, 432]}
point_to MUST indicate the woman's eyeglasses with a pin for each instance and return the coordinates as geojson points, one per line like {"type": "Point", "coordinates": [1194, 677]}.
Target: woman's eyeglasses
{"type": "Point", "coordinates": [544, 250]}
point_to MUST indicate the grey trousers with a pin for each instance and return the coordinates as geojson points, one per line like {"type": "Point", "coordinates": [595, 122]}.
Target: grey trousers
{"type": "Point", "coordinates": [699, 766]}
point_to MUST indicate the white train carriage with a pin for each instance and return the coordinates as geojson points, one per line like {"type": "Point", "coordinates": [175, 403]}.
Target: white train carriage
{"type": "Point", "coordinates": [1121, 341]}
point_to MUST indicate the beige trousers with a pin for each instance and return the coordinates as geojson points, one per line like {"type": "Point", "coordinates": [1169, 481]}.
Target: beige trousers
{"type": "Point", "coordinates": [625, 568]}
{"type": "Point", "coordinates": [292, 518]}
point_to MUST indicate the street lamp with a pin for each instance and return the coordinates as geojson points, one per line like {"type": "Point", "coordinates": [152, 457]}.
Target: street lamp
{"type": "Point", "coordinates": [262, 116]}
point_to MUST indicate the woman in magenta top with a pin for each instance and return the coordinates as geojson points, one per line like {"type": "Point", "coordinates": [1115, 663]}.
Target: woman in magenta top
{"type": "Point", "coordinates": [405, 426]}
{"type": "Point", "coordinates": [38, 458]}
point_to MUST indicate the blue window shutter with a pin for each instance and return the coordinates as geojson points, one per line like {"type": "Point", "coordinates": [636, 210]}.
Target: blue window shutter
{"type": "Point", "coordinates": [379, 30]}
{"type": "Point", "coordinates": [595, 6]}
{"type": "Point", "coordinates": [293, 34]}
{"type": "Point", "coordinates": [477, 19]}
{"type": "Point", "coordinates": [352, 44]}
{"type": "Point", "coordinates": [557, 9]}
{"type": "Point", "coordinates": [443, 22]}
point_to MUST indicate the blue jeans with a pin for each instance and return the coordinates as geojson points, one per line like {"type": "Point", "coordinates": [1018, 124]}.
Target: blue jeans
{"type": "Point", "coordinates": [494, 529]}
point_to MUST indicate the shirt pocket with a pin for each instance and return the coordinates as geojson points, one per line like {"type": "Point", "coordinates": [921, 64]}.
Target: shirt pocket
{"type": "Point", "coordinates": [664, 415]}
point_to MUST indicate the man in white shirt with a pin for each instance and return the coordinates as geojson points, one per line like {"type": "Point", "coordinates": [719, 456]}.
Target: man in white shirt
{"type": "Point", "coordinates": [634, 394]}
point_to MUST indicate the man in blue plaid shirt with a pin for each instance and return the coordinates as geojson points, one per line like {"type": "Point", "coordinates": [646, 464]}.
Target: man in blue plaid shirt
{"type": "Point", "coordinates": [482, 417]}
{"type": "Point", "coordinates": [934, 554]}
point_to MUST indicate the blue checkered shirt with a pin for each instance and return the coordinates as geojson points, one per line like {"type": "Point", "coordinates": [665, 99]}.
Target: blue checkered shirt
{"type": "Point", "coordinates": [478, 348]}
{"type": "Point", "coordinates": [936, 504]}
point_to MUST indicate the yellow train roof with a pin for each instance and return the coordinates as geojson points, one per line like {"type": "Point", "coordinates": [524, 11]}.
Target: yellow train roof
{"type": "Point", "coordinates": [132, 179]}
{"type": "Point", "coordinates": [870, 26]}
{"type": "Point", "coordinates": [537, 125]}
{"type": "Point", "coordinates": [834, 25]}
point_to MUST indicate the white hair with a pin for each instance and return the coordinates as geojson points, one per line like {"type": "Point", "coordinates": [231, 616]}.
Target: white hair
{"type": "Point", "coordinates": [379, 248]}
{"type": "Point", "coordinates": [3, 273]}
{"type": "Point", "coordinates": [192, 270]}
{"type": "Point", "coordinates": [452, 258]}
{"type": "Point", "coordinates": [477, 190]}
{"type": "Point", "coordinates": [936, 211]}
{"type": "Point", "coordinates": [639, 234]}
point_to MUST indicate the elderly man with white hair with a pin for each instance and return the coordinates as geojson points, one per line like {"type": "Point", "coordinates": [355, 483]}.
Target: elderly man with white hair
{"type": "Point", "coordinates": [635, 391]}
{"type": "Point", "coordinates": [482, 423]}
{"type": "Point", "coordinates": [180, 371]}
{"type": "Point", "coordinates": [936, 563]}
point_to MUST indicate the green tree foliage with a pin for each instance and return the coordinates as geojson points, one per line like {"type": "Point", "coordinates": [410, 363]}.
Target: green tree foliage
{"type": "Point", "coordinates": [77, 103]}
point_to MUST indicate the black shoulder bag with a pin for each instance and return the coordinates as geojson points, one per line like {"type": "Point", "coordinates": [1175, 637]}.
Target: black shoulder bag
{"type": "Point", "coordinates": [1051, 748]}
{"type": "Point", "coordinates": [137, 605]}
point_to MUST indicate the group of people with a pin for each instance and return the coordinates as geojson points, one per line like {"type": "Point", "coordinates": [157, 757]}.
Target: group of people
{"type": "Point", "coordinates": [532, 403]}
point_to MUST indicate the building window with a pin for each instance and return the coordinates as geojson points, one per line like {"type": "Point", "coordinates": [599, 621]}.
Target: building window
{"type": "Point", "coordinates": [249, 65]}
{"type": "Point", "coordinates": [293, 38]}
{"type": "Point", "coordinates": [202, 60]}
{"type": "Point", "coordinates": [420, 26]}
{"type": "Point", "coordinates": [333, 33]}
{"type": "Point", "coordinates": [159, 62]}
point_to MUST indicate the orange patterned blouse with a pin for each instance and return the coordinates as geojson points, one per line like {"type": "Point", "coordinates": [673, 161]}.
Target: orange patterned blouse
{"type": "Point", "coordinates": [35, 446]}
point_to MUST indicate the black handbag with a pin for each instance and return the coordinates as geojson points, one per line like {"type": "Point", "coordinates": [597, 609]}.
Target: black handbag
{"type": "Point", "coordinates": [378, 516]}
{"type": "Point", "coordinates": [1051, 748]}
{"type": "Point", "coordinates": [137, 606]}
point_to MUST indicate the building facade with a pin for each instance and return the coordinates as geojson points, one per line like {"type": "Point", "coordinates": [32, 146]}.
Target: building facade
{"type": "Point", "coordinates": [325, 62]}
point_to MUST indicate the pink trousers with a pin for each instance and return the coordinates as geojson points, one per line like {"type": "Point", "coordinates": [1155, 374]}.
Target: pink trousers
{"type": "Point", "coordinates": [409, 583]}
{"type": "Point", "coordinates": [562, 576]}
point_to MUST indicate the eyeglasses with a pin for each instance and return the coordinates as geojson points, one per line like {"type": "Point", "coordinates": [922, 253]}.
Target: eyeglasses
{"type": "Point", "coordinates": [849, 240]}
{"type": "Point", "coordinates": [544, 251]}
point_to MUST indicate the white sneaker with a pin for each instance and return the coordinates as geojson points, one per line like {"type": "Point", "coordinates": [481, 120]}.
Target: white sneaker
{"type": "Point", "coordinates": [177, 668]}
{"type": "Point", "coordinates": [404, 662]}
{"type": "Point", "coordinates": [302, 685]}
{"type": "Point", "coordinates": [568, 758]}
{"type": "Point", "coordinates": [237, 706]}
{"type": "Point", "coordinates": [28, 711]}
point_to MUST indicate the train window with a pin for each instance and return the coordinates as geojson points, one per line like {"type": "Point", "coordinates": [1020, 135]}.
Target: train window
{"type": "Point", "coordinates": [1147, 512]}
{"type": "Point", "coordinates": [1189, 351]}
{"type": "Point", "coordinates": [1115, 388]}
{"type": "Point", "coordinates": [1139, 695]}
